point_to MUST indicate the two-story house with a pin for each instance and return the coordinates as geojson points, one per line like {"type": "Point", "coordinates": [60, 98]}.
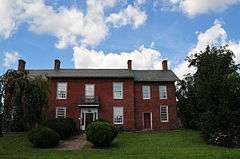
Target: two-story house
{"type": "Point", "coordinates": [132, 99]}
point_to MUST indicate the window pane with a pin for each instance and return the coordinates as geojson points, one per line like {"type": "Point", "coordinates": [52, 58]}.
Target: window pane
{"type": "Point", "coordinates": [164, 113]}
{"type": "Point", "coordinates": [61, 90]}
{"type": "Point", "coordinates": [60, 112]}
{"type": "Point", "coordinates": [117, 90]}
{"type": "Point", "coordinates": [89, 90]}
{"type": "Point", "coordinates": [163, 92]}
{"type": "Point", "coordinates": [146, 92]}
{"type": "Point", "coordinates": [118, 115]}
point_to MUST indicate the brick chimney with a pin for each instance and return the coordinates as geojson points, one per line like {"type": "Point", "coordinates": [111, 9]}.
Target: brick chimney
{"type": "Point", "coordinates": [57, 64]}
{"type": "Point", "coordinates": [129, 64]}
{"type": "Point", "coordinates": [21, 65]}
{"type": "Point", "coordinates": [164, 65]}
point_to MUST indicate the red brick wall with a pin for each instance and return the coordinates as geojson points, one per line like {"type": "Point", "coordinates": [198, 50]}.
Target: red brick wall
{"type": "Point", "coordinates": [132, 102]}
{"type": "Point", "coordinates": [153, 105]}
{"type": "Point", "coordinates": [103, 89]}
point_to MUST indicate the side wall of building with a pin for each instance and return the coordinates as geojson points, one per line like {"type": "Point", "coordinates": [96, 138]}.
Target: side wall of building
{"type": "Point", "coordinates": [153, 104]}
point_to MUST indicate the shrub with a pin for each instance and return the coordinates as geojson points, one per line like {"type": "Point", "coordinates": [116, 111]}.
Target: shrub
{"type": "Point", "coordinates": [43, 137]}
{"type": "Point", "coordinates": [65, 127]}
{"type": "Point", "coordinates": [227, 138]}
{"type": "Point", "coordinates": [101, 120]}
{"type": "Point", "coordinates": [101, 134]}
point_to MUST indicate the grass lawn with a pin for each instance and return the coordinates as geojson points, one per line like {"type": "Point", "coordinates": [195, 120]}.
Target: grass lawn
{"type": "Point", "coordinates": [183, 144]}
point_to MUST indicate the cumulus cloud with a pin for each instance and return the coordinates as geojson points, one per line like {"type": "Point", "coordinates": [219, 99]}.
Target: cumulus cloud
{"type": "Point", "coordinates": [71, 26]}
{"type": "Point", "coordinates": [10, 58]}
{"type": "Point", "coordinates": [131, 15]}
{"type": "Point", "coordinates": [196, 7]}
{"type": "Point", "coordinates": [143, 58]}
{"type": "Point", "coordinates": [214, 36]}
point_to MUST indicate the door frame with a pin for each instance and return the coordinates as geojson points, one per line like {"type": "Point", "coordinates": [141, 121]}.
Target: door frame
{"type": "Point", "coordinates": [83, 111]}
{"type": "Point", "coordinates": [150, 120]}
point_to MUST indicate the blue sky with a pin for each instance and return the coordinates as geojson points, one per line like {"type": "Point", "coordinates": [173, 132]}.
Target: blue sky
{"type": "Point", "coordinates": [105, 33]}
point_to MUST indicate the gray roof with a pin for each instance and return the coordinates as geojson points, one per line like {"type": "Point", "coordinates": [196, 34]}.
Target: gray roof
{"type": "Point", "coordinates": [138, 75]}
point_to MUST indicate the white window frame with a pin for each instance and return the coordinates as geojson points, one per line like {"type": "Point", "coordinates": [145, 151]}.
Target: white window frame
{"type": "Point", "coordinates": [148, 91]}
{"type": "Point", "coordinates": [58, 90]}
{"type": "Point", "coordinates": [115, 94]}
{"type": "Point", "coordinates": [114, 112]}
{"type": "Point", "coordinates": [64, 114]}
{"type": "Point", "coordinates": [165, 91]}
{"type": "Point", "coordinates": [165, 113]}
{"type": "Point", "coordinates": [93, 93]}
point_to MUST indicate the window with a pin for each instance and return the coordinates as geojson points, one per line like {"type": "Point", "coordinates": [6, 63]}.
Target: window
{"type": "Point", "coordinates": [60, 112]}
{"type": "Point", "coordinates": [163, 92]}
{"type": "Point", "coordinates": [89, 90]}
{"type": "Point", "coordinates": [117, 90]}
{"type": "Point", "coordinates": [146, 92]}
{"type": "Point", "coordinates": [62, 90]}
{"type": "Point", "coordinates": [164, 113]}
{"type": "Point", "coordinates": [118, 115]}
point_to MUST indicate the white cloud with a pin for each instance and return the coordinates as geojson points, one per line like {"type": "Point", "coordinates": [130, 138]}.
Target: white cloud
{"type": "Point", "coordinates": [196, 7]}
{"type": "Point", "coordinates": [10, 58]}
{"type": "Point", "coordinates": [214, 36]}
{"type": "Point", "coordinates": [71, 26]}
{"type": "Point", "coordinates": [143, 58]}
{"type": "Point", "coordinates": [130, 16]}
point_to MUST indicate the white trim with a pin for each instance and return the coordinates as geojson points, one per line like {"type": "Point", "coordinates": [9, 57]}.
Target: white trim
{"type": "Point", "coordinates": [165, 92]}
{"type": "Point", "coordinates": [57, 96]}
{"type": "Point", "coordinates": [65, 111]}
{"type": "Point", "coordinates": [149, 91]}
{"type": "Point", "coordinates": [84, 111]}
{"type": "Point", "coordinates": [84, 105]}
{"type": "Point", "coordinates": [114, 96]}
{"type": "Point", "coordinates": [164, 121]}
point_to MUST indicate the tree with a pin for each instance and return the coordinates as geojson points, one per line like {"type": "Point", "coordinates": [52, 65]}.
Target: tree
{"type": "Point", "coordinates": [36, 98]}
{"type": "Point", "coordinates": [24, 99]}
{"type": "Point", "coordinates": [213, 96]}
{"type": "Point", "coordinates": [1, 106]}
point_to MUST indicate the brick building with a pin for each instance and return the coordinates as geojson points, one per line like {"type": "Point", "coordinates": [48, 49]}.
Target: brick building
{"type": "Point", "coordinates": [132, 99]}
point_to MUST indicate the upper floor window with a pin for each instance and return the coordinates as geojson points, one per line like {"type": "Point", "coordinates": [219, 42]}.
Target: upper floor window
{"type": "Point", "coordinates": [146, 92]}
{"type": "Point", "coordinates": [89, 90]}
{"type": "Point", "coordinates": [118, 115]}
{"type": "Point", "coordinates": [163, 92]}
{"type": "Point", "coordinates": [164, 113]}
{"type": "Point", "coordinates": [61, 90]}
{"type": "Point", "coordinates": [117, 90]}
{"type": "Point", "coordinates": [60, 112]}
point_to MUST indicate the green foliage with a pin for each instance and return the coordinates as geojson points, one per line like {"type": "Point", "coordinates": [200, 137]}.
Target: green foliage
{"type": "Point", "coordinates": [65, 127]}
{"type": "Point", "coordinates": [14, 84]}
{"type": "Point", "coordinates": [43, 137]}
{"type": "Point", "coordinates": [24, 99]}
{"type": "Point", "coordinates": [101, 120]}
{"type": "Point", "coordinates": [101, 134]}
{"type": "Point", "coordinates": [209, 100]}
{"type": "Point", "coordinates": [37, 98]}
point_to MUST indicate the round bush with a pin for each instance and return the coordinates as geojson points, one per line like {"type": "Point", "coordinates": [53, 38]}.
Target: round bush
{"type": "Point", "coordinates": [43, 137]}
{"type": "Point", "coordinates": [65, 127]}
{"type": "Point", "coordinates": [101, 134]}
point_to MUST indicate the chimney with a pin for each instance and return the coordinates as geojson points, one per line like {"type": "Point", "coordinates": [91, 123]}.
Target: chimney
{"type": "Point", "coordinates": [57, 64]}
{"type": "Point", "coordinates": [129, 64]}
{"type": "Point", "coordinates": [164, 65]}
{"type": "Point", "coordinates": [21, 65]}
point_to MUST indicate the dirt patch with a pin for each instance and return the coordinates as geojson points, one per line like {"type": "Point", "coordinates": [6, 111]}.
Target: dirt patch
{"type": "Point", "coordinates": [74, 143]}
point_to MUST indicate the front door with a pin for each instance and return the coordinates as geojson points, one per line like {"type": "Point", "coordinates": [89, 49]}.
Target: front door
{"type": "Point", "coordinates": [147, 120]}
{"type": "Point", "coordinates": [89, 119]}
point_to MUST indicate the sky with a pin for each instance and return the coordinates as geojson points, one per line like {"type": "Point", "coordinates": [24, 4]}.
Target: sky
{"type": "Point", "coordinates": [107, 33]}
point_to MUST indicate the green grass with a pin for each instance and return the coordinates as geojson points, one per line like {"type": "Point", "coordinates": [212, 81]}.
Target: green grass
{"type": "Point", "coordinates": [184, 144]}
